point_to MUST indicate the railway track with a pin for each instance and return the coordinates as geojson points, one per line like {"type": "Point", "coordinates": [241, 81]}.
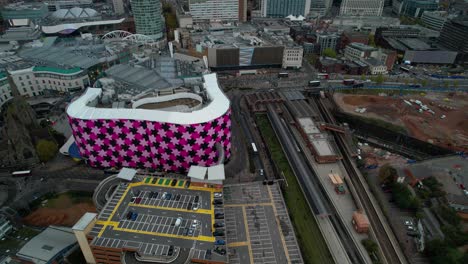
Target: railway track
{"type": "Point", "coordinates": [312, 188]}
{"type": "Point", "coordinates": [390, 250]}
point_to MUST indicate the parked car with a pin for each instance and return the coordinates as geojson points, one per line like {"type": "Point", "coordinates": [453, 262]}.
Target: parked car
{"type": "Point", "coordinates": [218, 224]}
{"type": "Point", "coordinates": [208, 254]}
{"type": "Point", "coordinates": [218, 233]}
{"type": "Point", "coordinates": [219, 216]}
{"type": "Point", "coordinates": [150, 194]}
{"type": "Point", "coordinates": [133, 199]}
{"type": "Point", "coordinates": [187, 184]}
{"type": "Point", "coordinates": [168, 196]}
{"type": "Point", "coordinates": [129, 215]}
{"type": "Point", "coordinates": [164, 195]}
{"type": "Point", "coordinates": [155, 195]}
{"type": "Point", "coordinates": [134, 216]}
{"type": "Point", "coordinates": [174, 182]}
{"type": "Point", "coordinates": [220, 242]}
{"type": "Point", "coordinates": [218, 195]}
{"type": "Point", "coordinates": [171, 250]}
{"type": "Point", "coordinates": [189, 206]}
{"type": "Point", "coordinates": [220, 251]}
{"type": "Point", "coordinates": [185, 232]}
{"type": "Point", "coordinates": [177, 198]}
{"type": "Point", "coordinates": [190, 232]}
{"type": "Point", "coordinates": [197, 199]}
{"type": "Point", "coordinates": [195, 207]}
{"type": "Point", "coordinates": [178, 221]}
{"type": "Point", "coordinates": [217, 201]}
{"type": "Point", "coordinates": [138, 200]}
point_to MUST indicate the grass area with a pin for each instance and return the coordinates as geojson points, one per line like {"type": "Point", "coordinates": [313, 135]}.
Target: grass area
{"type": "Point", "coordinates": [64, 200]}
{"type": "Point", "coordinates": [311, 242]}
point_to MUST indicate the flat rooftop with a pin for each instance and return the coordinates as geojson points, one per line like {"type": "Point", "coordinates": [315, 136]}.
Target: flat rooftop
{"type": "Point", "coordinates": [154, 229]}
{"type": "Point", "coordinates": [319, 140]}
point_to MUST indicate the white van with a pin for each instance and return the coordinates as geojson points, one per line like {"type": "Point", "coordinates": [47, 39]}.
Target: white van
{"type": "Point", "coordinates": [178, 221]}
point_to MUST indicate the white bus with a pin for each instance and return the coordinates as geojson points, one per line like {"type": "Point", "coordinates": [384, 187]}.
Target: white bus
{"type": "Point", "coordinates": [254, 148]}
{"type": "Point", "coordinates": [21, 173]}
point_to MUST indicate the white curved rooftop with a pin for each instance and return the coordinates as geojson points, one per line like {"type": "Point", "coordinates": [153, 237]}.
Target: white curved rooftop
{"type": "Point", "coordinates": [75, 12]}
{"type": "Point", "coordinates": [218, 106]}
{"type": "Point", "coordinates": [61, 27]}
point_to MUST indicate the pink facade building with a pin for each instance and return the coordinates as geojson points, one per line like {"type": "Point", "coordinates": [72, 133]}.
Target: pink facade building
{"type": "Point", "coordinates": [154, 139]}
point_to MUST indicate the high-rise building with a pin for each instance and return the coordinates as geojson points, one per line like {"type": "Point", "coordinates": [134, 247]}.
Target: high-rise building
{"type": "Point", "coordinates": [148, 18]}
{"type": "Point", "coordinates": [282, 8]}
{"type": "Point", "coordinates": [327, 40]}
{"type": "Point", "coordinates": [118, 7]}
{"type": "Point", "coordinates": [225, 10]}
{"type": "Point", "coordinates": [435, 19]}
{"type": "Point", "coordinates": [362, 7]}
{"type": "Point", "coordinates": [454, 36]}
{"type": "Point", "coordinates": [414, 8]}
{"type": "Point", "coordinates": [319, 7]}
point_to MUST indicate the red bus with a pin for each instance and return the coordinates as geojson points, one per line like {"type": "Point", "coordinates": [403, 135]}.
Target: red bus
{"type": "Point", "coordinates": [323, 76]}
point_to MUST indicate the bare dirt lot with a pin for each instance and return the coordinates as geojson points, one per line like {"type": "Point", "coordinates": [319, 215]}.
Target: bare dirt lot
{"type": "Point", "coordinates": [61, 211]}
{"type": "Point", "coordinates": [447, 127]}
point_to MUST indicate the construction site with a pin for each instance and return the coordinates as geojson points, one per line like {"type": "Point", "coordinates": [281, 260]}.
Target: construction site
{"type": "Point", "coordinates": [439, 119]}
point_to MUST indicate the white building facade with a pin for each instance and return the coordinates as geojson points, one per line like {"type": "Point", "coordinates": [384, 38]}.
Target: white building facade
{"type": "Point", "coordinates": [118, 7]}
{"type": "Point", "coordinates": [434, 19]}
{"type": "Point", "coordinates": [361, 7]}
{"type": "Point", "coordinates": [222, 10]}
{"type": "Point", "coordinates": [33, 81]}
{"type": "Point", "coordinates": [5, 226]}
{"type": "Point", "coordinates": [5, 91]}
{"type": "Point", "coordinates": [292, 57]}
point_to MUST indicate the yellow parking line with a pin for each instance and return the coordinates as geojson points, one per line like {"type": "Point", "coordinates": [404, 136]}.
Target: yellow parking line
{"type": "Point", "coordinates": [286, 252]}
{"type": "Point", "coordinates": [252, 204]}
{"type": "Point", "coordinates": [244, 214]}
{"type": "Point", "coordinates": [199, 211]}
{"type": "Point", "coordinates": [199, 238]}
{"type": "Point", "coordinates": [238, 244]}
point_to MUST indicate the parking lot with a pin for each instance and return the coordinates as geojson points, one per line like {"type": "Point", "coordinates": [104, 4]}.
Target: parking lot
{"type": "Point", "coordinates": [252, 234]}
{"type": "Point", "coordinates": [161, 212]}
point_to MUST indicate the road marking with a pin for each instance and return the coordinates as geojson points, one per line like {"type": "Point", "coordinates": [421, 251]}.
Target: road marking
{"type": "Point", "coordinates": [199, 211]}
{"type": "Point", "coordinates": [238, 244]}
{"type": "Point", "coordinates": [244, 214]}
{"type": "Point", "coordinates": [247, 204]}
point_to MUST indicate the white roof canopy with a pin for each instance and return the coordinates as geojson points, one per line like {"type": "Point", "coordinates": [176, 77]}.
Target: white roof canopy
{"type": "Point", "coordinates": [126, 174]}
{"type": "Point", "coordinates": [197, 172]}
{"type": "Point", "coordinates": [216, 172]}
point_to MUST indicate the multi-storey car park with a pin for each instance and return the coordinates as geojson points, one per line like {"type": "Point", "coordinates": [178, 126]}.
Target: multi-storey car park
{"type": "Point", "coordinates": [171, 138]}
{"type": "Point", "coordinates": [154, 219]}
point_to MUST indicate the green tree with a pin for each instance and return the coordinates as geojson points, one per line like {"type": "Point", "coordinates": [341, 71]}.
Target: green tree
{"type": "Point", "coordinates": [423, 82]}
{"type": "Point", "coordinates": [439, 252]}
{"type": "Point", "coordinates": [379, 79]}
{"type": "Point", "coordinates": [363, 77]}
{"type": "Point", "coordinates": [387, 174]}
{"type": "Point", "coordinates": [404, 199]}
{"type": "Point", "coordinates": [46, 150]}
{"type": "Point", "coordinates": [329, 52]}
{"type": "Point", "coordinates": [455, 83]}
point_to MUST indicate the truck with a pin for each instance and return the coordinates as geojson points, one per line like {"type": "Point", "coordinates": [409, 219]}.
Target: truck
{"type": "Point", "coordinates": [337, 183]}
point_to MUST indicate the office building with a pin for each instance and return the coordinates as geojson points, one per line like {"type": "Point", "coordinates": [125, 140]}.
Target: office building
{"type": "Point", "coordinates": [282, 8]}
{"type": "Point", "coordinates": [361, 7]}
{"type": "Point", "coordinates": [357, 51]}
{"type": "Point", "coordinates": [118, 6]}
{"type": "Point", "coordinates": [454, 36]}
{"type": "Point", "coordinates": [24, 11]}
{"type": "Point", "coordinates": [218, 10]}
{"type": "Point", "coordinates": [34, 80]}
{"type": "Point", "coordinates": [435, 19]}
{"type": "Point", "coordinates": [54, 5]}
{"type": "Point", "coordinates": [327, 40]}
{"type": "Point", "coordinates": [292, 57]}
{"type": "Point", "coordinates": [148, 18]}
{"type": "Point", "coordinates": [5, 225]}
{"type": "Point", "coordinates": [414, 8]}
{"type": "Point", "coordinates": [318, 7]}
{"type": "Point", "coordinates": [50, 246]}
